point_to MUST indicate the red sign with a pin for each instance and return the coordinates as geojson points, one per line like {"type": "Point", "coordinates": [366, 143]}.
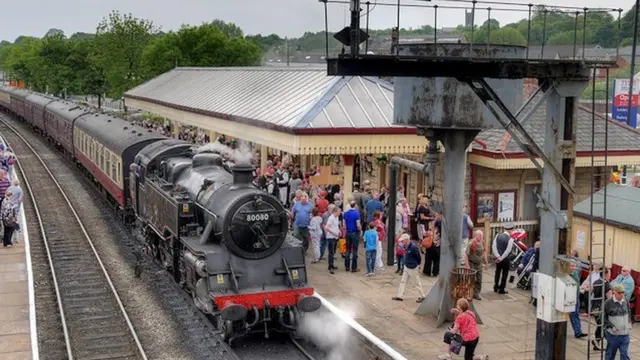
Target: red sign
{"type": "Point", "coordinates": [622, 100]}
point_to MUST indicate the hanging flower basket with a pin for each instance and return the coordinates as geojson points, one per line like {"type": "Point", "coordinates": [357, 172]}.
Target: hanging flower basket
{"type": "Point", "coordinates": [382, 160]}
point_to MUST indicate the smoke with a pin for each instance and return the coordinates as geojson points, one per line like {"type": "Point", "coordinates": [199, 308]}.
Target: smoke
{"type": "Point", "coordinates": [241, 155]}
{"type": "Point", "coordinates": [330, 334]}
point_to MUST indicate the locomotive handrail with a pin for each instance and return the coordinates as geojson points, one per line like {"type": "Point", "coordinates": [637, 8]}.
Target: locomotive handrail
{"type": "Point", "coordinates": [215, 217]}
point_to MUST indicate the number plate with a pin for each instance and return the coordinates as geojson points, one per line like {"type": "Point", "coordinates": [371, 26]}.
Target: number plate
{"type": "Point", "coordinates": [257, 217]}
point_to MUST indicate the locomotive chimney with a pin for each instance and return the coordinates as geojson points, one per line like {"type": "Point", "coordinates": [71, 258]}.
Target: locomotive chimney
{"type": "Point", "coordinates": [242, 174]}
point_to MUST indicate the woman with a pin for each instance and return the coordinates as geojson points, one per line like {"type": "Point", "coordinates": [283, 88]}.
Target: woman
{"type": "Point", "coordinates": [465, 328]}
{"type": "Point", "coordinates": [381, 229]}
{"type": "Point", "coordinates": [399, 218]}
{"type": "Point", "coordinates": [423, 216]}
{"type": "Point", "coordinates": [9, 215]}
{"type": "Point", "coordinates": [406, 213]}
{"type": "Point", "coordinates": [315, 230]}
{"type": "Point", "coordinates": [432, 258]}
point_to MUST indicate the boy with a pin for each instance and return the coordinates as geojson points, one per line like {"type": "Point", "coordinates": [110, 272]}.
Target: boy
{"type": "Point", "coordinates": [370, 244]}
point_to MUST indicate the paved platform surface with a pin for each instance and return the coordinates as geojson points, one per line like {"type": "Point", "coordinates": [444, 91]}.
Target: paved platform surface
{"type": "Point", "coordinates": [509, 325]}
{"type": "Point", "coordinates": [15, 338]}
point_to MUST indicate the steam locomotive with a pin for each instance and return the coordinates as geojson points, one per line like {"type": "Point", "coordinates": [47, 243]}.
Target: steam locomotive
{"type": "Point", "coordinates": [223, 240]}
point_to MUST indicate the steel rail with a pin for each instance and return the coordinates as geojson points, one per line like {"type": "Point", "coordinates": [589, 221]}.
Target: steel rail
{"type": "Point", "coordinates": [87, 238]}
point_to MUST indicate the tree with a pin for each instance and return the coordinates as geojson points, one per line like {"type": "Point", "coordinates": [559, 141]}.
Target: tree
{"type": "Point", "coordinates": [82, 36]}
{"type": "Point", "coordinates": [54, 32]}
{"type": "Point", "coordinates": [230, 30]}
{"type": "Point", "coordinates": [204, 45]}
{"type": "Point", "coordinates": [120, 40]}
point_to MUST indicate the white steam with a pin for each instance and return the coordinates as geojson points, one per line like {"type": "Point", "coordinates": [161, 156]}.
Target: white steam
{"type": "Point", "coordinates": [330, 334]}
{"type": "Point", "coordinates": [242, 154]}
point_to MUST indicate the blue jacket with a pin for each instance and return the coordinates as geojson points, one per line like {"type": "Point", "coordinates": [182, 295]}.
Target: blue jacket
{"type": "Point", "coordinates": [412, 256]}
{"type": "Point", "coordinates": [371, 240]}
{"type": "Point", "coordinates": [527, 256]}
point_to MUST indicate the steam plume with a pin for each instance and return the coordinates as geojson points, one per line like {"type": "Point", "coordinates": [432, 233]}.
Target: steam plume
{"type": "Point", "coordinates": [241, 155]}
{"type": "Point", "coordinates": [333, 336]}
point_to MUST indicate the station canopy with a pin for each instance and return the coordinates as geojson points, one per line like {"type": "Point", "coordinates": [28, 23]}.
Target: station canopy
{"type": "Point", "coordinates": [293, 109]}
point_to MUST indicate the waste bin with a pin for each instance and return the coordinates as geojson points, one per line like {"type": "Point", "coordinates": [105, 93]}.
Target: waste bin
{"type": "Point", "coordinates": [463, 281]}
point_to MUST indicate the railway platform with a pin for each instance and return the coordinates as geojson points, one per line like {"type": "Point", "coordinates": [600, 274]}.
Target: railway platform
{"type": "Point", "coordinates": [508, 331]}
{"type": "Point", "coordinates": [18, 334]}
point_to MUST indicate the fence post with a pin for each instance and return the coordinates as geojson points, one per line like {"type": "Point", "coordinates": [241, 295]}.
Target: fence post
{"type": "Point", "coordinates": [487, 235]}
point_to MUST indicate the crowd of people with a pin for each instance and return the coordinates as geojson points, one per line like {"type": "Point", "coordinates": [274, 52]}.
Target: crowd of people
{"type": "Point", "coordinates": [331, 225]}
{"type": "Point", "coordinates": [11, 196]}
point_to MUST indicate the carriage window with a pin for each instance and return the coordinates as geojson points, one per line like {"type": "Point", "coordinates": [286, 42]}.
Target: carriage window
{"type": "Point", "coordinates": [101, 154]}
{"type": "Point", "coordinates": [108, 164]}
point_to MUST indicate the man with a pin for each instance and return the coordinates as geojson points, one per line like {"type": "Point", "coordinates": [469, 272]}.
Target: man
{"type": "Point", "coordinates": [600, 292]}
{"type": "Point", "coordinates": [478, 260]}
{"type": "Point", "coordinates": [282, 180]}
{"type": "Point", "coordinates": [502, 245]}
{"type": "Point", "coordinates": [323, 241]}
{"type": "Point", "coordinates": [322, 203]}
{"type": "Point", "coordinates": [467, 228]}
{"type": "Point", "coordinates": [302, 219]}
{"type": "Point", "coordinates": [373, 205]}
{"type": "Point", "coordinates": [353, 228]}
{"type": "Point", "coordinates": [574, 316]}
{"type": "Point", "coordinates": [626, 281]}
{"type": "Point", "coordinates": [617, 324]}
{"type": "Point", "coordinates": [412, 260]}
{"type": "Point", "coordinates": [332, 229]}
{"type": "Point", "coordinates": [364, 199]}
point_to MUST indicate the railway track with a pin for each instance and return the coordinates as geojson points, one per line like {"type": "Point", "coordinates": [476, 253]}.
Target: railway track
{"type": "Point", "coordinates": [93, 320]}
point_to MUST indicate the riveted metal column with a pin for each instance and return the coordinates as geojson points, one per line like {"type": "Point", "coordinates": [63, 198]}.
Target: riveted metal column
{"type": "Point", "coordinates": [555, 218]}
{"type": "Point", "coordinates": [455, 165]}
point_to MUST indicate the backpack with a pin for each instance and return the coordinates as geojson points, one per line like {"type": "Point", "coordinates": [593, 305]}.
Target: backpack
{"type": "Point", "coordinates": [9, 217]}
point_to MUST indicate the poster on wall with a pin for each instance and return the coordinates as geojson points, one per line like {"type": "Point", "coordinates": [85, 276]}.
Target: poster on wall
{"type": "Point", "coordinates": [484, 208]}
{"type": "Point", "coordinates": [580, 239]}
{"type": "Point", "coordinates": [620, 106]}
{"type": "Point", "coordinates": [506, 206]}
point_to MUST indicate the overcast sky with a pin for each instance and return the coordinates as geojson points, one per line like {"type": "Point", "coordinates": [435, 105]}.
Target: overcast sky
{"type": "Point", "coordinates": [283, 17]}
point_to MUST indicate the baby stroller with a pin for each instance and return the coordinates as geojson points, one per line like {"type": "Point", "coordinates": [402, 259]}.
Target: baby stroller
{"type": "Point", "coordinates": [519, 248]}
{"type": "Point", "coordinates": [524, 278]}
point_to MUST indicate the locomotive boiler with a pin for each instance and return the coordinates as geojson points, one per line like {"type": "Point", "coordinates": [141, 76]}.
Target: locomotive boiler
{"type": "Point", "coordinates": [225, 241]}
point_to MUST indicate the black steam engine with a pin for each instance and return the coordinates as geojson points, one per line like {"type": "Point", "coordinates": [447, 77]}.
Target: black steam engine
{"type": "Point", "coordinates": [221, 238]}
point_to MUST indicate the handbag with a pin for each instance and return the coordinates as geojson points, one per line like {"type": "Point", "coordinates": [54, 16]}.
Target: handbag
{"type": "Point", "coordinates": [456, 344]}
{"type": "Point", "coordinates": [342, 246]}
{"type": "Point", "coordinates": [427, 242]}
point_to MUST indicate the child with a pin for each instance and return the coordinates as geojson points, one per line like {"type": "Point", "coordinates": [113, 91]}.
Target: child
{"type": "Point", "coordinates": [315, 230]}
{"type": "Point", "coordinates": [370, 245]}
{"type": "Point", "coordinates": [400, 252]}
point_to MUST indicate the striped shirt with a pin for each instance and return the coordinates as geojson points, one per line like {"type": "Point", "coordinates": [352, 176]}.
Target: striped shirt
{"type": "Point", "coordinates": [4, 185]}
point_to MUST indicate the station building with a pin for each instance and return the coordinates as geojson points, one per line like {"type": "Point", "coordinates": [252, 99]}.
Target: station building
{"type": "Point", "coordinates": [348, 122]}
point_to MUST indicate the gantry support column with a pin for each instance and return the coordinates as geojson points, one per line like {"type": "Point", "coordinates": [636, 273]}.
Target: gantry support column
{"type": "Point", "coordinates": [439, 299]}
{"type": "Point", "coordinates": [556, 212]}
{"type": "Point", "coordinates": [347, 176]}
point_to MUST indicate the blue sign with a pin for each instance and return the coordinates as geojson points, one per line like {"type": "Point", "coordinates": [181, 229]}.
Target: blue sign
{"type": "Point", "coordinates": [620, 105]}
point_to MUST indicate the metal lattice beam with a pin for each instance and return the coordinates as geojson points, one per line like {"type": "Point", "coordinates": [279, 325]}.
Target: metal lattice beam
{"type": "Point", "coordinates": [456, 67]}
